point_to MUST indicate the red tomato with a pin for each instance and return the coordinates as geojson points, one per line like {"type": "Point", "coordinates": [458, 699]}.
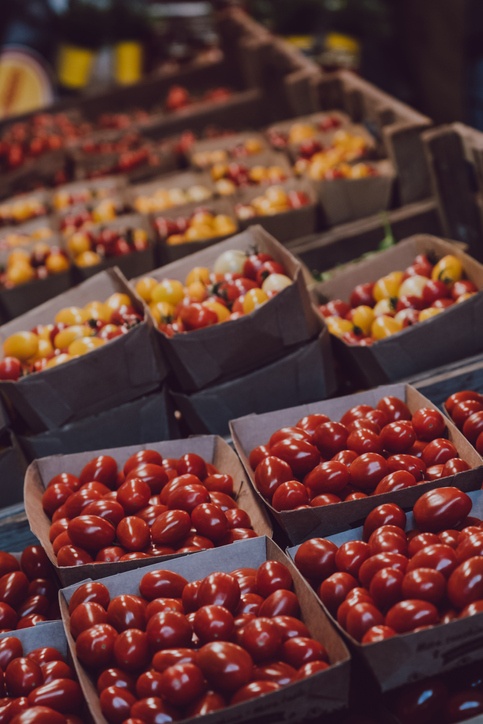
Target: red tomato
{"type": "Point", "coordinates": [85, 615]}
{"type": "Point", "coordinates": [327, 477]}
{"type": "Point", "coordinates": [424, 584]}
{"type": "Point", "coordinates": [453, 466]}
{"type": "Point", "coordinates": [272, 575]}
{"type": "Point", "coordinates": [388, 539]}
{"type": "Point", "coordinates": [386, 587]}
{"type": "Point", "coordinates": [222, 482]}
{"type": "Point", "coordinates": [56, 670]}
{"type": "Point", "coordinates": [153, 475]}
{"type": "Point", "coordinates": [316, 559]}
{"type": "Point", "coordinates": [310, 423]}
{"type": "Point", "coordinates": [162, 584]}
{"type": "Point", "coordinates": [62, 695]}
{"type": "Point", "coordinates": [469, 546]}
{"type": "Point", "coordinates": [420, 702]}
{"type": "Point", "coordinates": [150, 710]}
{"type": "Point", "coordinates": [378, 633]}
{"type": "Point", "coordinates": [182, 684]}
{"type": "Point", "coordinates": [428, 424]}
{"type": "Point", "coordinates": [193, 464]}
{"type": "Point", "coordinates": [253, 690]}
{"type": "Point", "coordinates": [262, 638]}
{"type": "Point", "coordinates": [439, 556]}
{"type": "Point", "coordinates": [290, 495]}
{"type": "Point", "coordinates": [441, 508]}
{"type": "Point", "coordinates": [300, 455]}
{"type": "Point", "coordinates": [22, 676]}
{"type": "Point", "coordinates": [465, 584]}
{"type": "Point", "coordinates": [473, 426]}
{"type": "Point", "coordinates": [168, 629]}
{"type": "Point", "coordinates": [438, 451]}
{"type": "Point", "coordinates": [225, 665]}
{"type": "Point", "coordinates": [457, 397]}
{"type": "Point", "coordinates": [270, 473]}
{"type": "Point", "coordinates": [141, 457]}
{"type": "Point", "coordinates": [213, 623]}
{"type": "Point", "coordinates": [394, 408]}
{"type": "Point", "coordinates": [131, 650]}
{"type": "Point", "coordinates": [109, 510]}
{"type": "Point", "coordinates": [361, 617]}
{"type": "Point", "coordinates": [91, 532]}
{"type": "Point", "coordinates": [90, 591]}
{"type": "Point", "coordinates": [210, 521]}
{"type": "Point", "coordinates": [367, 471]}
{"type": "Point", "coordinates": [133, 533]}
{"type": "Point", "coordinates": [133, 495]}
{"type": "Point", "coordinates": [206, 704]}
{"type": "Point", "coordinates": [18, 714]}
{"type": "Point", "coordinates": [116, 703]}
{"type": "Point", "coordinates": [410, 463]}
{"type": "Point", "coordinates": [398, 480]}
{"type": "Point", "coordinates": [54, 496]}
{"type": "Point", "coordinates": [10, 649]}
{"type": "Point", "coordinates": [398, 436]}
{"type": "Point", "coordinates": [351, 555]}
{"type": "Point", "coordinates": [102, 468]}
{"type": "Point", "coordinates": [333, 591]}
{"type": "Point", "coordinates": [381, 560]}
{"type": "Point", "coordinates": [407, 615]}
{"type": "Point", "coordinates": [14, 588]}
{"type": "Point", "coordinates": [330, 438]}
{"type": "Point", "coordinates": [220, 589]}
{"type": "Point", "coordinates": [363, 440]}
{"type": "Point", "coordinates": [464, 409]}
{"type": "Point", "coordinates": [420, 541]}
{"type": "Point", "coordinates": [95, 646]}
{"type": "Point", "coordinates": [300, 650]}
{"type": "Point", "coordinates": [126, 611]}
{"type": "Point", "coordinates": [280, 603]}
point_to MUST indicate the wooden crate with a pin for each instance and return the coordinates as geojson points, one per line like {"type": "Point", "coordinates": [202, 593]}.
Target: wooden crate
{"type": "Point", "coordinates": [455, 156]}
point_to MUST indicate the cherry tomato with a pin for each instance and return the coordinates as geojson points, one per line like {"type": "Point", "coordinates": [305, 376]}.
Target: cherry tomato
{"type": "Point", "coordinates": [386, 587]}
{"type": "Point", "coordinates": [364, 440]}
{"type": "Point", "coordinates": [464, 409]}
{"type": "Point", "coordinates": [271, 576]}
{"type": "Point", "coordinates": [440, 509]}
{"type": "Point", "coordinates": [133, 495]}
{"type": "Point", "coordinates": [22, 676]}
{"type": "Point", "coordinates": [350, 556]}
{"type": "Point", "coordinates": [410, 463]}
{"type": "Point", "coordinates": [191, 463]}
{"type": "Point", "coordinates": [378, 633]}
{"type": "Point", "coordinates": [85, 615]}
{"type": "Point", "coordinates": [109, 510]}
{"type": "Point", "coordinates": [14, 588]}
{"type": "Point", "coordinates": [206, 704]}
{"type": "Point", "coordinates": [428, 424]}
{"type": "Point", "coordinates": [151, 710]}
{"type": "Point", "coordinates": [126, 611]}
{"type": "Point", "coordinates": [327, 477]}
{"type": "Point", "coordinates": [438, 451]}
{"type": "Point", "coordinates": [438, 556]}
{"type": "Point", "coordinates": [162, 584]}
{"type": "Point", "coordinates": [91, 532]}
{"type": "Point", "coordinates": [280, 603]}
{"type": "Point", "coordinates": [10, 648]}
{"type": "Point", "coordinates": [388, 539]}
{"type": "Point", "coordinates": [62, 695]}
{"type": "Point", "coordinates": [225, 665]}
{"type": "Point", "coordinates": [102, 468]}
{"type": "Point", "coordinates": [394, 408]}
{"type": "Point", "coordinates": [300, 650]}
{"type": "Point", "coordinates": [90, 591]}
{"type": "Point", "coordinates": [140, 457]}
{"type": "Point", "coordinates": [153, 475]}
{"type": "Point", "coordinates": [424, 584]}
{"type": "Point", "coordinates": [381, 560]}
{"type": "Point", "coordinates": [213, 623]}
{"type": "Point", "coordinates": [182, 684]}
{"type": "Point", "coordinates": [56, 670]}
{"type": "Point", "coordinates": [131, 650]}
{"type": "Point", "coordinates": [222, 482]}
{"type": "Point", "coordinates": [116, 703]}
{"type": "Point", "coordinates": [398, 436]}
{"type": "Point", "coordinates": [300, 455]}
{"type": "Point", "coordinates": [253, 690]}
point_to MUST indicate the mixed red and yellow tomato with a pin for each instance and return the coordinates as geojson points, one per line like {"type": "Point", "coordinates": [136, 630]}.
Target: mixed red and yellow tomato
{"type": "Point", "coordinates": [275, 200]}
{"type": "Point", "coordinates": [186, 648]}
{"type": "Point", "coordinates": [38, 261]}
{"type": "Point", "coordinates": [200, 225]}
{"type": "Point", "coordinates": [238, 284]}
{"type": "Point", "coordinates": [152, 506]}
{"type": "Point", "coordinates": [398, 300]}
{"type": "Point", "coordinates": [75, 331]}
{"type": "Point", "coordinates": [89, 247]}
{"type": "Point", "coordinates": [371, 450]}
{"type": "Point", "coordinates": [392, 581]}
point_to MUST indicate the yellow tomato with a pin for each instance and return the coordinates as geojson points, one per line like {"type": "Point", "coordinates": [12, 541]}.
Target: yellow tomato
{"type": "Point", "coordinates": [385, 326]}
{"type": "Point", "coordinates": [58, 360]}
{"type": "Point", "coordinates": [464, 297]}
{"type": "Point", "coordinates": [22, 345]}
{"type": "Point", "coordinates": [161, 311]}
{"type": "Point", "coordinates": [449, 269]}
{"type": "Point", "coordinates": [428, 313]}
{"type": "Point", "coordinates": [363, 317]}
{"type": "Point", "coordinates": [144, 287]}
{"type": "Point", "coordinates": [57, 263]}
{"type": "Point", "coordinates": [18, 256]}
{"type": "Point", "coordinates": [387, 286]}
{"type": "Point", "coordinates": [202, 218]}
{"type": "Point", "coordinates": [78, 243]}
{"type": "Point", "coordinates": [84, 345]}
{"type": "Point", "coordinates": [222, 312]}
{"type": "Point", "coordinates": [200, 231]}
{"type": "Point", "coordinates": [71, 315]}
{"type": "Point", "coordinates": [253, 299]}
{"type": "Point", "coordinates": [338, 326]}
{"type": "Point", "coordinates": [43, 331]}
{"type": "Point", "coordinates": [19, 273]}
{"type": "Point", "coordinates": [301, 132]}
{"type": "Point", "coordinates": [66, 336]}
{"type": "Point", "coordinates": [45, 349]}
{"type": "Point", "coordinates": [197, 291]}
{"type": "Point", "coordinates": [88, 258]}
{"type": "Point", "coordinates": [176, 239]}
{"type": "Point", "coordinates": [224, 225]}
{"type": "Point", "coordinates": [198, 274]}
{"type": "Point", "coordinates": [385, 306]}
{"type": "Point", "coordinates": [118, 300]}
{"type": "Point", "coordinates": [98, 310]}
{"type": "Point", "coordinates": [168, 290]}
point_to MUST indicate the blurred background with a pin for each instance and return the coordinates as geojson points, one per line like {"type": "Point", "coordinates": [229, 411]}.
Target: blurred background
{"type": "Point", "coordinates": [429, 54]}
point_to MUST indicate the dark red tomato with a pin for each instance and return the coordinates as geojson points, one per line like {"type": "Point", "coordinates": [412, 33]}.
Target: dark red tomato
{"type": "Point", "coordinates": [33, 562]}
{"type": "Point", "coordinates": [268, 267]}
{"type": "Point", "coordinates": [438, 556]}
{"type": "Point", "coordinates": [19, 712]}
{"type": "Point", "coordinates": [34, 604]}
{"type": "Point", "coordinates": [148, 684]}
{"type": "Point", "coordinates": [133, 533]}
{"type": "Point", "coordinates": [440, 509]}
{"type": "Point", "coordinates": [270, 473]}
{"type": "Point", "coordinates": [357, 412]}
{"type": "Point", "coordinates": [410, 614]}
{"type": "Point", "coordinates": [163, 604]}
{"type": "Point", "coordinates": [465, 584]}
{"type": "Point", "coordinates": [388, 539]}
{"type": "Point", "coordinates": [378, 561]}
{"type": "Point", "coordinates": [151, 512]}
{"type": "Point", "coordinates": [55, 496]}
{"type": "Point", "coordinates": [116, 703]}
{"type": "Point", "coordinates": [10, 649]}
{"type": "Point", "coordinates": [367, 471]}
{"type": "Point", "coordinates": [91, 591]}
{"type": "Point", "coordinates": [133, 495]}
{"type": "Point", "coordinates": [327, 477]}
{"type": "Point", "coordinates": [225, 665]}
{"type": "Point", "coordinates": [333, 591]}
{"type": "Point", "coordinates": [56, 670]}
{"type": "Point", "coordinates": [351, 555]}
{"type": "Point", "coordinates": [63, 539]}
{"type": "Point", "coordinates": [206, 704]}
{"type": "Point", "coordinates": [60, 526]}
{"type": "Point", "coordinates": [424, 584]}
{"type": "Point", "coordinates": [384, 514]}
{"type": "Point", "coordinates": [253, 690]}
{"type": "Point", "coordinates": [290, 495]}
{"type": "Point", "coordinates": [362, 294]}
{"type": "Point", "coordinates": [168, 629]}
{"type": "Point", "coordinates": [346, 457]}
{"type": "Point", "coordinates": [288, 433]}
{"type": "Point", "coordinates": [141, 457]}
{"type": "Point", "coordinates": [153, 475]}
{"type": "Point", "coordinates": [182, 684]}
{"type": "Point", "coordinates": [473, 426]}
{"type": "Point", "coordinates": [31, 620]}
{"type": "Point", "coordinates": [457, 397]}
{"type": "Point", "coordinates": [272, 575]}
{"type": "Point", "coordinates": [126, 611]}
{"type": "Point", "coordinates": [237, 518]}
{"type": "Point", "coordinates": [355, 495]}
{"type": "Point", "coordinates": [300, 455]}
{"type": "Point", "coordinates": [469, 546]}
{"type": "Point", "coordinates": [357, 595]}
{"type": "Point", "coordinates": [187, 497]}
{"type": "Point", "coordinates": [398, 480]}
{"type": "Point", "coordinates": [394, 408]}
{"type": "Point", "coordinates": [221, 482]}
{"type": "Point", "coordinates": [398, 436]}
{"type": "Point", "coordinates": [262, 638]}
{"type": "Point", "coordinates": [472, 608]}
{"type": "Point", "coordinates": [364, 440]}
{"type": "Point", "coordinates": [280, 603]}
{"type": "Point", "coordinates": [131, 650]}
{"type": "Point", "coordinates": [258, 454]}
{"type": "Point", "coordinates": [410, 463]}
{"type": "Point", "coordinates": [301, 650]}
{"type": "Point", "coordinates": [290, 626]}
{"type": "Point", "coordinates": [428, 424]}
{"type": "Point", "coordinates": [91, 532]}
{"type": "Point", "coordinates": [420, 541]}
{"type": "Point", "coordinates": [22, 675]}
{"type": "Point", "coordinates": [8, 617]}
{"type": "Point", "coordinates": [77, 501]}
{"type": "Point", "coordinates": [162, 584]}
{"type": "Point", "coordinates": [151, 710]}
{"type": "Point", "coordinates": [325, 499]}
{"type": "Point", "coordinates": [222, 500]}
{"type": "Point", "coordinates": [310, 423]}
{"type": "Point", "coordinates": [168, 657]}
{"type": "Point", "coordinates": [85, 615]}
{"type": "Point", "coordinates": [361, 617]}
{"type": "Point", "coordinates": [464, 409]}
{"type": "Point", "coordinates": [9, 563]}
{"type": "Point", "coordinates": [377, 633]}
{"type": "Point", "coordinates": [210, 521]}
{"type": "Point", "coordinates": [313, 667]}
{"type": "Point", "coordinates": [433, 290]}
{"type": "Point", "coordinates": [464, 705]}
{"type": "Point", "coordinates": [190, 595]}
{"type": "Point", "coordinates": [213, 623]}
{"type": "Point", "coordinates": [62, 695]}
{"type": "Point", "coordinates": [453, 466]}
{"type": "Point", "coordinates": [249, 603]}
{"type": "Point", "coordinates": [95, 646]}
{"type": "Point", "coordinates": [450, 537]}
{"type": "Point", "coordinates": [438, 451]}
{"type": "Point", "coordinates": [197, 316]}
{"type": "Point", "coordinates": [193, 464]}
{"type": "Point", "coordinates": [219, 589]}
{"type": "Point", "coordinates": [330, 438]}
{"type": "Point", "coordinates": [102, 469]}
{"type": "Point", "coordinates": [316, 559]}
{"type": "Point", "coordinates": [386, 587]}
{"type": "Point", "coordinates": [95, 486]}
{"type": "Point", "coordinates": [277, 671]}
{"type": "Point", "coordinates": [421, 702]}
{"type": "Point", "coordinates": [109, 510]}
{"type": "Point", "coordinates": [434, 472]}
{"type": "Point", "coordinates": [14, 588]}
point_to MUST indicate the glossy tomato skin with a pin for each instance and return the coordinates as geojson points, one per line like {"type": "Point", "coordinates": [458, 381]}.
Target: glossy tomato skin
{"type": "Point", "coordinates": [301, 455]}
{"type": "Point", "coordinates": [361, 617]}
{"type": "Point", "coordinates": [226, 665]}
{"type": "Point", "coordinates": [116, 703]}
{"type": "Point", "coordinates": [207, 703]}
{"type": "Point", "coordinates": [334, 589]}
{"type": "Point", "coordinates": [290, 495]}
{"type": "Point", "coordinates": [438, 451]}
{"type": "Point", "coordinates": [22, 676]}
{"type": "Point", "coordinates": [182, 684]}
{"type": "Point", "coordinates": [91, 532]}
{"type": "Point", "coordinates": [162, 584]}
{"type": "Point", "coordinates": [133, 533]}
{"type": "Point", "coordinates": [140, 457]}
{"type": "Point", "coordinates": [384, 514]}
{"type": "Point", "coordinates": [330, 438]}
{"type": "Point", "coordinates": [102, 468]}
{"type": "Point", "coordinates": [351, 555]}
{"type": "Point", "coordinates": [270, 473]}
{"type": "Point", "coordinates": [394, 408]}
{"type": "Point", "coordinates": [315, 559]}
{"type": "Point", "coordinates": [398, 437]}
{"type": "Point", "coordinates": [438, 556]}
{"type": "Point", "coordinates": [210, 521]}
{"type": "Point", "coordinates": [398, 480]}
{"type": "Point", "coordinates": [213, 623]}
{"type": "Point", "coordinates": [424, 584]}
{"type": "Point", "coordinates": [253, 690]}
{"type": "Point", "coordinates": [168, 629]}
{"type": "Point", "coordinates": [221, 589]}
{"type": "Point", "coordinates": [386, 587]}
{"type": "Point", "coordinates": [367, 471]}
{"type": "Point", "coordinates": [95, 646]}
{"type": "Point", "coordinates": [272, 575]}
{"type": "Point", "coordinates": [327, 477]}
{"type": "Point", "coordinates": [420, 702]}
{"type": "Point", "coordinates": [90, 591]}
{"type": "Point", "coordinates": [440, 509]}
{"type": "Point", "coordinates": [301, 650]}
{"type": "Point", "coordinates": [428, 424]}
{"type": "Point", "coordinates": [262, 638]}
{"type": "Point", "coordinates": [62, 695]}
{"type": "Point", "coordinates": [409, 614]}
{"type": "Point", "coordinates": [465, 584]}
{"type": "Point", "coordinates": [85, 615]}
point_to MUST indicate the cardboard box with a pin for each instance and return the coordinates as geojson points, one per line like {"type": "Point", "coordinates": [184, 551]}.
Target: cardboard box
{"type": "Point", "coordinates": [212, 449]}
{"type": "Point", "coordinates": [183, 181]}
{"type": "Point", "coordinates": [253, 430]}
{"type": "Point", "coordinates": [325, 137]}
{"type": "Point", "coordinates": [148, 419]}
{"type": "Point", "coordinates": [290, 224]}
{"type": "Point", "coordinates": [131, 265]}
{"type": "Point", "coordinates": [453, 335]}
{"type": "Point", "coordinates": [412, 656]}
{"type": "Point", "coordinates": [24, 297]}
{"type": "Point", "coordinates": [315, 696]}
{"type": "Point", "coordinates": [97, 189]}
{"type": "Point", "coordinates": [213, 354]}
{"type": "Point", "coordinates": [309, 369]}
{"type": "Point", "coordinates": [226, 143]}
{"type": "Point", "coordinates": [439, 387]}
{"type": "Point", "coordinates": [122, 370]}
{"type": "Point", "coordinates": [40, 197]}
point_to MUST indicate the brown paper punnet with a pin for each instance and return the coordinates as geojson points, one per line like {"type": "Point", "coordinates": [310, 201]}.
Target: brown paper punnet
{"type": "Point", "coordinates": [123, 369]}
{"type": "Point", "coordinates": [227, 143]}
{"type": "Point", "coordinates": [313, 697]}
{"type": "Point", "coordinates": [183, 180]}
{"type": "Point", "coordinates": [214, 354]}
{"type": "Point", "coordinates": [413, 656]}
{"type": "Point", "coordinates": [253, 430]}
{"type": "Point", "coordinates": [211, 448]}
{"type": "Point", "coordinates": [452, 335]}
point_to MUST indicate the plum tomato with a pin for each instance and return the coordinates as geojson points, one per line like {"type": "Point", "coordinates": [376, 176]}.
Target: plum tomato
{"type": "Point", "coordinates": [428, 424]}
{"type": "Point", "coordinates": [465, 584]}
{"type": "Point", "coordinates": [225, 665]}
{"type": "Point", "coordinates": [315, 559]}
{"type": "Point", "coordinates": [442, 508]}
{"type": "Point", "coordinates": [367, 471]}
{"type": "Point", "coordinates": [270, 473]}
{"type": "Point", "coordinates": [410, 614]}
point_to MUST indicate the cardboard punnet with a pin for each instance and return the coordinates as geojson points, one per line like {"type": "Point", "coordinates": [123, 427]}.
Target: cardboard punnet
{"type": "Point", "coordinates": [452, 335]}
{"type": "Point", "coordinates": [181, 180]}
{"type": "Point", "coordinates": [290, 224]}
{"type": "Point", "coordinates": [42, 197]}
{"type": "Point", "coordinates": [253, 430]}
{"type": "Point", "coordinates": [148, 419]}
{"type": "Point", "coordinates": [225, 143]}
{"type": "Point", "coordinates": [416, 655]}
{"type": "Point", "coordinates": [123, 369]}
{"type": "Point", "coordinates": [97, 189]}
{"type": "Point", "coordinates": [315, 696]}
{"type": "Point", "coordinates": [211, 448]}
{"type": "Point", "coordinates": [213, 354]}
{"type": "Point", "coordinates": [309, 369]}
